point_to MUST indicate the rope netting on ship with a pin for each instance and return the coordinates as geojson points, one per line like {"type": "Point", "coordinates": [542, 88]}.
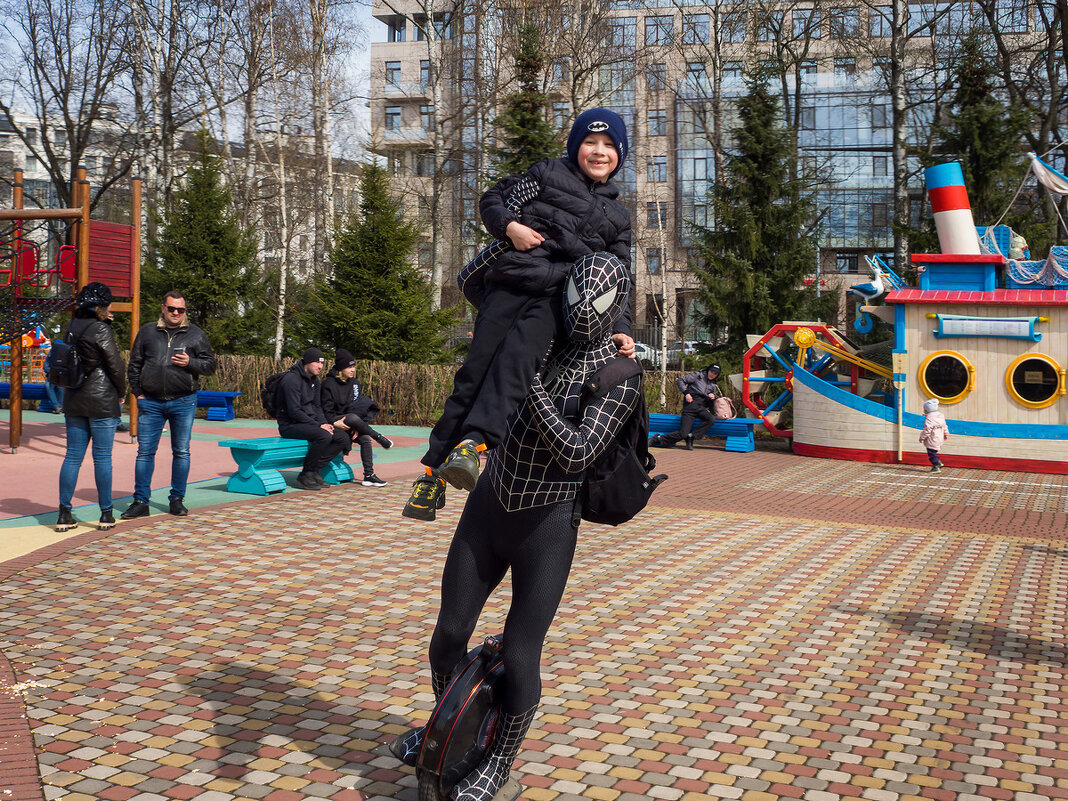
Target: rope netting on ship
{"type": "Point", "coordinates": [38, 271]}
{"type": "Point", "coordinates": [999, 239]}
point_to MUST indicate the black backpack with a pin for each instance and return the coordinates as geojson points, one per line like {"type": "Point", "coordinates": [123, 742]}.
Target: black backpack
{"type": "Point", "coordinates": [269, 394]}
{"type": "Point", "coordinates": [65, 368]}
{"type": "Point", "coordinates": [617, 485]}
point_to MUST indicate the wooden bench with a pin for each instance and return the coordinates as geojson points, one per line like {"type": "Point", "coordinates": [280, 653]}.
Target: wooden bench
{"type": "Point", "coordinates": [220, 405]}
{"type": "Point", "coordinates": [260, 459]}
{"type": "Point", "coordinates": [737, 430]}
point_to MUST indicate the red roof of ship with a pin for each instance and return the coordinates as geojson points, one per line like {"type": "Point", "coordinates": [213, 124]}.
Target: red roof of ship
{"type": "Point", "coordinates": [998, 297]}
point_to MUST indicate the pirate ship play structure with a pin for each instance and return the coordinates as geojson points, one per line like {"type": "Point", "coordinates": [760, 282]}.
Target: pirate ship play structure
{"type": "Point", "coordinates": [985, 332]}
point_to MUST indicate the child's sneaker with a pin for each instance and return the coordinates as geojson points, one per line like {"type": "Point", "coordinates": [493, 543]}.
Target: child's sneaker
{"type": "Point", "coordinates": [936, 468]}
{"type": "Point", "coordinates": [428, 495]}
{"type": "Point", "coordinates": [461, 466]}
{"type": "Point", "coordinates": [371, 480]}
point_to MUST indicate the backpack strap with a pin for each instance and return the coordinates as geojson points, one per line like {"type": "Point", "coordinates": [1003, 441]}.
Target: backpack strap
{"type": "Point", "coordinates": [609, 377]}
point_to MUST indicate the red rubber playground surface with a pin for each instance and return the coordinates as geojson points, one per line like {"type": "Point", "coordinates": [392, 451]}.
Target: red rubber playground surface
{"type": "Point", "coordinates": [772, 627]}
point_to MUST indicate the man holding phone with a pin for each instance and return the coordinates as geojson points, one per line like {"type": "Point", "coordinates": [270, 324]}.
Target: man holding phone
{"type": "Point", "coordinates": [166, 361]}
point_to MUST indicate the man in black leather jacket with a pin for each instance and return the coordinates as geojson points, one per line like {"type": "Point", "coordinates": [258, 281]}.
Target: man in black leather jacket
{"type": "Point", "coordinates": [166, 361]}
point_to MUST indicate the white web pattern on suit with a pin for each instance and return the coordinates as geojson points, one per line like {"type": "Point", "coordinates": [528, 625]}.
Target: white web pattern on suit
{"type": "Point", "coordinates": [483, 782]}
{"type": "Point", "coordinates": [518, 196]}
{"type": "Point", "coordinates": [543, 456]}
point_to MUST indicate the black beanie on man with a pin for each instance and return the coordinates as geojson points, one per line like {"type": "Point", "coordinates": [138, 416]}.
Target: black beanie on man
{"type": "Point", "coordinates": [343, 359]}
{"type": "Point", "coordinates": [313, 355]}
{"type": "Point", "coordinates": [598, 120]}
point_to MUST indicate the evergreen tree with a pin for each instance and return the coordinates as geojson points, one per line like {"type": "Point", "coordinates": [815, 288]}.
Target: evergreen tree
{"type": "Point", "coordinates": [525, 131]}
{"type": "Point", "coordinates": [986, 137]}
{"type": "Point", "coordinates": [373, 302]}
{"type": "Point", "coordinates": [203, 253]}
{"type": "Point", "coordinates": [751, 265]}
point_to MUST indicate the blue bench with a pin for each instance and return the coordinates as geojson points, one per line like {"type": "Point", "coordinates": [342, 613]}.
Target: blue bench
{"type": "Point", "coordinates": [259, 460]}
{"type": "Point", "coordinates": [29, 392]}
{"type": "Point", "coordinates": [737, 430]}
{"type": "Point", "coordinates": [220, 405]}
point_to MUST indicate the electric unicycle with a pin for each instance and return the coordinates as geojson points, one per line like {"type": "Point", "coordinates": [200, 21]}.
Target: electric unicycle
{"type": "Point", "coordinates": [462, 725]}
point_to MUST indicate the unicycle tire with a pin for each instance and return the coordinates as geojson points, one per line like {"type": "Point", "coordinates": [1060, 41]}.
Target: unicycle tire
{"type": "Point", "coordinates": [463, 723]}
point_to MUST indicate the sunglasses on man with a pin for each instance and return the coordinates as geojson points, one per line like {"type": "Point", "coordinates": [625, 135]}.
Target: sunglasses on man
{"type": "Point", "coordinates": [176, 309]}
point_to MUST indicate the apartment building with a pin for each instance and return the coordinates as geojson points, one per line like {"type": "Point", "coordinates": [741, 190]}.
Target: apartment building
{"type": "Point", "coordinates": [673, 70]}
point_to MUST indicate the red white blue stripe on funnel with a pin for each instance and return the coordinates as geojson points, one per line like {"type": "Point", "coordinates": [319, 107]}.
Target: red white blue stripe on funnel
{"type": "Point", "coordinates": [952, 211]}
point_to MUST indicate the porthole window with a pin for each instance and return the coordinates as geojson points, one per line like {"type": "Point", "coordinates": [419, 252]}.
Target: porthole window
{"type": "Point", "coordinates": [947, 375]}
{"type": "Point", "coordinates": [1035, 380]}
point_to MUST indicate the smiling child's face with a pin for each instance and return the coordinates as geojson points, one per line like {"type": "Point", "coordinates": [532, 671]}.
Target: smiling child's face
{"type": "Point", "coordinates": [598, 157]}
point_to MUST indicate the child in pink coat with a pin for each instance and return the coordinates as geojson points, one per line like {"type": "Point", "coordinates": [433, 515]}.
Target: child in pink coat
{"type": "Point", "coordinates": [935, 432]}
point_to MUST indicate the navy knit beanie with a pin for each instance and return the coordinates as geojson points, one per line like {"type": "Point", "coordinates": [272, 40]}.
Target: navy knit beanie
{"type": "Point", "coordinates": [598, 120]}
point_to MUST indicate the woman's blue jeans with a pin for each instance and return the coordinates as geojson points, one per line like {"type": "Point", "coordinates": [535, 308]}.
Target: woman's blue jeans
{"type": "Point", "coordinates": [151, 416]}
{"type": "Point", "coordinates": [101, 430]}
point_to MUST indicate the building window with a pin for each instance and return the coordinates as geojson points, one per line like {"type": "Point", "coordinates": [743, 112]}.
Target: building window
{"type": "Point", "coordinates": [765, 30]}
{"type": "Point", "coordinates": [846, 262]}
{"type": "Point", "coordinates": [734, 27]}
{"type": "Point", "coordinates": [659, 30]}
{"type": "Point", "coordinates": [879, 166]}
{"type": "Point", "coordinates": [808, 118]}
{"type": "Point", "coordinates": [426, 117]}
{"type": "Point", "coordinates": [946, 375]}
{"type": "Point", "coordinates": [880, 215]}
{"type": "Point", "coordinates": [393, 164]}
{"type": "Point", "coordinates": [807, 23]}
{"type": "Point", "coordinates": [393, 73]}
{"type": "Point", "coordinates": [561, 114]}
{"type": "Point", "coordinates": [656, 214]}
{"type": "Point", "coordinates": [424, 74]}
{"type": "Point", "coordinates": [732, 69]}
{"type": "Point", "coordinates": [844, 23]}
{"type": "Point", "coordinates": [845, 69]}
{"type": "Point", "coordinates": [393, 118]}
{"type": "Point", "coordinates": [623, 32]}
{"type": "Point", "coordinates": [880, 115]}
{"type": "Point", "coordinates": [657, 122]}
{"type": "Point", "coordinates": [561, 71]}
{"type": "Point", "coordinates": [1034, 380]}
{"type": "Point", "coordinates": [695, 29]}
{"type": "Point", "coordinates": [879, 19]}
{"type": "Point", "coordinates": [656, 77]}
{"type": "Point", "coordinates": [808, 67]}
{"type": "Point", "coordinates": [657, 169]}
{"type": "Point", "coordinates": [696, 77]}
{"type": "Point", "coordinates": [395, 28]}
{"type": "Point", "coordinates": [652, 260]}
{"type": "Point", "coordinates": [1011, 16]}
{"type": "Point", "coordinates": [424, 165]}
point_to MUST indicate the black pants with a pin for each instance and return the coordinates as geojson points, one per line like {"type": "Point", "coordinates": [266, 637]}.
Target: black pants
{"type": "Point", "coordinates": [361, 433]}
{"type": "Point", "coordinates": [932, 455]}
{"type": "Point", "coordinates": [538, 545]}
{"type": "Point", "coordinates": [687, 423]}
{"type": "Point", "coordinates": [322, 445]}
{"type": "Point", "coordinates": [512, 333]}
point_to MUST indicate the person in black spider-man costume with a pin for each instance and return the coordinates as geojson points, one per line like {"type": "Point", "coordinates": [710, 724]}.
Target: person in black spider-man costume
{"type": "Point", "coordinates": [521, 515]}
{"type": "Point", "coordinates": [545, 219]}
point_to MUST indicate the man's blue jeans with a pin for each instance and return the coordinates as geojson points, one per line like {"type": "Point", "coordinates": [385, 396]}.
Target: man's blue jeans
{"type": "Point", "coordinates": [101, 430]}
{"type": "Point", "coordinates": [151, 415]}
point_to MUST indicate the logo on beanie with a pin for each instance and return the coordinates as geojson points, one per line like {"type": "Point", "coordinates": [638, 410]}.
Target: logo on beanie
{"type": "Point", "coordinates": [597, 126]}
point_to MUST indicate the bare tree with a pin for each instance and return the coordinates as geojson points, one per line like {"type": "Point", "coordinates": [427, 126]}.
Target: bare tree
{"type": "Point", "coordinates": [66, 61]}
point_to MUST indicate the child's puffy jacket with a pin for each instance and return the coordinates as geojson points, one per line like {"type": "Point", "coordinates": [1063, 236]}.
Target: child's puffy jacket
{"type": "Point", "coordinates": [934, 431]}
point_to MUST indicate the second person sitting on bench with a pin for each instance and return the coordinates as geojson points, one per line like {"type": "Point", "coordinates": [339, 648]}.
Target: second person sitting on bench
{"type": "Point", "coordinates": [345, 405]}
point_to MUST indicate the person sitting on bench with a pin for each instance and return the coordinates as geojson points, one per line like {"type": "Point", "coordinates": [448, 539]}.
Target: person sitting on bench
{"type": "Point", "coordinates": [300, 416]}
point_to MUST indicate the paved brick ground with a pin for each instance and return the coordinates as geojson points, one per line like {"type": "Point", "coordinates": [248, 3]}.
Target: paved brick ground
{"type": "Point", "coordinates": [775, 627]}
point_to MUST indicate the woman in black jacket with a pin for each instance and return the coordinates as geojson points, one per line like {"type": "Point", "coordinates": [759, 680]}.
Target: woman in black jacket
{"type": "Point", "coordinates": [92, 409]}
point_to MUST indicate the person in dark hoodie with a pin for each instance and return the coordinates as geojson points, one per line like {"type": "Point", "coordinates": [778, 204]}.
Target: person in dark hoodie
{"type": "Point", "coordinates": [300, 416]}
{"type": "Point", "coordinates": [92, 409]}
{"type": "Point", "coordinates": [348, 409]}
{"type": "Point", "coordinates": [569, 209]}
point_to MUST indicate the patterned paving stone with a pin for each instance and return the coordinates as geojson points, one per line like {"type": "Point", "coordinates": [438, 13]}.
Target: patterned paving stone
{"type": "Point", "coordinates": [268, 651]}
